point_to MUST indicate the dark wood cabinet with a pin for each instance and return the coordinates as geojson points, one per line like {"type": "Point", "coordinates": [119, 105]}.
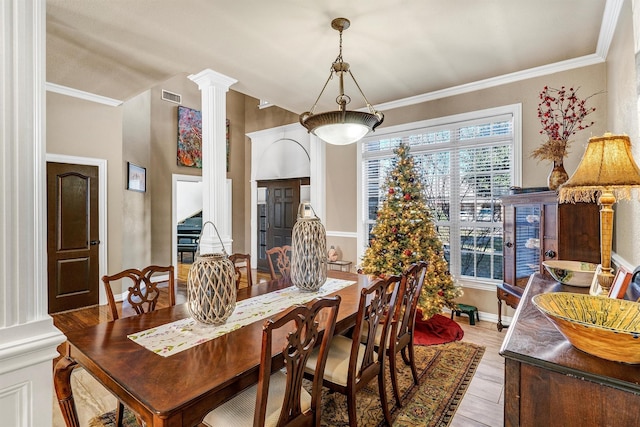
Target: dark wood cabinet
{"type": "Point", "coordinates": [548, 382]}
{"type": "Point", "coordinates": [537, 228]}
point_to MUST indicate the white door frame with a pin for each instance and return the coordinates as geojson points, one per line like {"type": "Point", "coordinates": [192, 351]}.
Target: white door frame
{"type": "Point", "coordinates": [175, 178]}
{"type": "Point", "coordinates": [102, 209]}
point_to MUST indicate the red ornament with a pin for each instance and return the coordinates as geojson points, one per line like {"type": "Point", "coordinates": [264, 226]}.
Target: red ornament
{"type": "Point", "coordinates": [441, 293]}
{"type": "Point", "coordinates": [394, 230]}
{"type": "Point", "coordinates": [407, 252]}
{"type": "Point", "coordinates": [407, 196]}
{"type": "Point", "coordinates": [391, 191]}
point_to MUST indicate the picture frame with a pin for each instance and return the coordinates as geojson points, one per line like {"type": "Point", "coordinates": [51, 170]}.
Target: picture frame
{"type": "Point", "coordinates": [189, 137]}
{"type": "Point", "coordinates": [620, 283]}
{"type": "Point", "coordinates": [136, 178]}
{"type": "Point", "coordinates": [595, 288]}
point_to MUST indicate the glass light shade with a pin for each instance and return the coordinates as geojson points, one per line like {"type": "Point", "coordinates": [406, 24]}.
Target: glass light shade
{"type": "Point", "coordinates": [341, 127]}
{"type": "Point", "coordinates": [341, 133]}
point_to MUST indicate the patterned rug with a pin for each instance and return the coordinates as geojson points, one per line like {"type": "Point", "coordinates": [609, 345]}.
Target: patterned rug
{"type": "Point", "coordinates": [445, 371]}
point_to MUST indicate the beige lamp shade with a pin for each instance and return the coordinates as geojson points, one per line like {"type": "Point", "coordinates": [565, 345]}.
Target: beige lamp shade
{"type": "Point", "coordinates": [606, 164]}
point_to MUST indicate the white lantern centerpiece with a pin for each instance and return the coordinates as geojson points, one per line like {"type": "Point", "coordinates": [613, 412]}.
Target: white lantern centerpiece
{"type": "Point", "coordinates": [308, 250]}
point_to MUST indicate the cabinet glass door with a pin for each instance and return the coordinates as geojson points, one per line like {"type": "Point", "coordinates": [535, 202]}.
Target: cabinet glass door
{"type": "Point", "coordinates": [527, 242]}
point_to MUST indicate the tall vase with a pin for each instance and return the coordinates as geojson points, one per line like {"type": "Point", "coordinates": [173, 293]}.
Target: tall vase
{"type": "Point", "coordinates": [557, 176]}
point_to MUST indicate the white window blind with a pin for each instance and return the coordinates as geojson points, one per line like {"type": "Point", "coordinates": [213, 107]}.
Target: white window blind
{"type": "Point", "coordinates": [466, 165]}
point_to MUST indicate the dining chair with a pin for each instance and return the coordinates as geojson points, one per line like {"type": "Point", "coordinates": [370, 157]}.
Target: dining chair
{"type": "Point", "coordinates": [403, 323]}
{"type": "Point", "coordinates": [352, 364]}
{"type": "Point", "coordinates": [279, 398]}
{"type": "Point", "coordinates": [281, 257]}
{"type": "Point", "coordinates": [143, 295]}
{"type": "Point", "coordinates": [241, 261]}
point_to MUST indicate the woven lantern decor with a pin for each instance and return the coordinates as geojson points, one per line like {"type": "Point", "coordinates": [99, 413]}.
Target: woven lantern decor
{"type": "Point", "coordinates": [308, 250]}
{"type": "Point", "coordinates": [211, 285]}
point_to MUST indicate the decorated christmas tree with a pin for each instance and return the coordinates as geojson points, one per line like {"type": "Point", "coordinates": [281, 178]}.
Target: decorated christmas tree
{"type": "Point", "coordinates": [404, 233]}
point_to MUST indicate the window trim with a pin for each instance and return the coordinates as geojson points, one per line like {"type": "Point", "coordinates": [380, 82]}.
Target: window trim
{"type": "Point", "coordinates": [390, 131]}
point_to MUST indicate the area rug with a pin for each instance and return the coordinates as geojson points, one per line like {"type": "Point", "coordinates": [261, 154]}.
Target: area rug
{"type": "Point", "coordinates": [436, 330]}
{"type": "Point", "coordinates": [444, 371]}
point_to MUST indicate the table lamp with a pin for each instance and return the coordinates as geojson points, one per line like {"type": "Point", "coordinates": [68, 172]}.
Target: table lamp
{"type": "Point", "coordinates": [606, 173]}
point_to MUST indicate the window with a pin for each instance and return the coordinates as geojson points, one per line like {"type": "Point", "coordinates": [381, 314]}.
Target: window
{"type": "Point", "coordinates": [467, 163]}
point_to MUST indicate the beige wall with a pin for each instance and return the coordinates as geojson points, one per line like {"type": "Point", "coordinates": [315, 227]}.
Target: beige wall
{"type": "Point", "coordinates": [622, 97]}
{"type": "Point", "coordinates": [85, 129]}
{"type": "Point", "coordinates": [136, 212]}
{"type": "Point", "coordinates": [163, 146]}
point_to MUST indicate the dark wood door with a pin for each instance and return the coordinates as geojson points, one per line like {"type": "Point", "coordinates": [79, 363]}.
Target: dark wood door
{"type": "Point", "coordinates": [283, 198]}
{"type": "Point", "coordinates": [72, 236]}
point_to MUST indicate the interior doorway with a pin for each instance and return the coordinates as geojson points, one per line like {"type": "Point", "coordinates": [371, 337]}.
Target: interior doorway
{"type": "Point", "coordinates": [72, 236]}
{"type": "Point", "coordinates": [186, 203]}
{"type": "Point", "coordinates": [277, 215]}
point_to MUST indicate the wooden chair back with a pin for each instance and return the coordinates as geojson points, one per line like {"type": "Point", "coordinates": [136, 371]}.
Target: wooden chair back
{"type": "Point", "coordinates": [307, 326]}
{"type": "Point", "coordinates": [242, 261]}
{"type": "Point", "coordinates": [376, 310]}
{"type": "Point", "coordinates": [279, 261]}
{"type": "Point", "coordinates": [143, 293]}
{"type": "Point", "coordinates": [404, 318]}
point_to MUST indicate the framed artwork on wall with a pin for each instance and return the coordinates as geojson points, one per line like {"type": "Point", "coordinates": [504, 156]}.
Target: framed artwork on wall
{"type": "Point", "coordinates": [189, 137]}
{"type": "Point", "coordinates": [136, 178]}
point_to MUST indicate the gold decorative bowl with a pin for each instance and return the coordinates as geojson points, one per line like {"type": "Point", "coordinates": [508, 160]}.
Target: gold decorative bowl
{"type": "Point", "coordinates": [605, 327]}
{"type": "Point", "coordinates": [573, 273]}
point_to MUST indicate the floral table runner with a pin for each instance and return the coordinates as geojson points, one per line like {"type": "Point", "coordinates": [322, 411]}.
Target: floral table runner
{"type": "Point", "coordinates": [172, 338]}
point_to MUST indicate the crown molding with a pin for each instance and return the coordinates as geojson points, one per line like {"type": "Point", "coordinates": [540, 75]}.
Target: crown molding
{"type": "Point", "coordinates": [609, 21]}
{"type": "Point", "coordinates": [543, 70]}
{"type": "Point", "coordinates": [76, 93]}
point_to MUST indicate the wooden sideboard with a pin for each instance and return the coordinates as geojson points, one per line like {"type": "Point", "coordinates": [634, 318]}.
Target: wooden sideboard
{"type": "Point", "coordinates": [548, 382]}
{"type": "Point", "coordinates": [537, 228]}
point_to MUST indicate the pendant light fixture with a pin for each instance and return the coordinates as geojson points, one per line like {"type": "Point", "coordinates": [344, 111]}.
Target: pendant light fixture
{"type": "Point", "coordinates": [342, 126]}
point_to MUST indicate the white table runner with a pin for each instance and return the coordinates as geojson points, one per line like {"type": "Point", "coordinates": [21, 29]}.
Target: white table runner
{"type": "Point", "coordinates": [172, 338]}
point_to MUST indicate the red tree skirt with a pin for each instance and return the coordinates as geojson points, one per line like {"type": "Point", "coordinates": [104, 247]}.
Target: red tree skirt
{"type": "Point", "coordinates": [436, 330]}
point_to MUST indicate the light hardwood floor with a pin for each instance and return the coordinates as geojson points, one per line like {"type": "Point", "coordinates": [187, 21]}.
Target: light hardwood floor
{"type": "Point", "coordinates": [482, 404]}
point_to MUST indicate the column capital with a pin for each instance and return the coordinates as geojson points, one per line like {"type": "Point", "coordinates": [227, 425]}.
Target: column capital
{"type": "Point", "coordinates": [208, 77]}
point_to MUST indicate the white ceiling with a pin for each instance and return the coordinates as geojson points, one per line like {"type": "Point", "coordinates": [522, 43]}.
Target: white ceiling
{"type": "Point", "coordinates": [282, 50]}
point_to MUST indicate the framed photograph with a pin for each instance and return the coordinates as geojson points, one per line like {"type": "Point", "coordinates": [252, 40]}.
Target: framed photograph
{"type": "Point", "coordinates": [136, 178]}
{"type": "Point", "coordinates": [595, 288]}
{"type": "Point", "coordinates": [620, 283]}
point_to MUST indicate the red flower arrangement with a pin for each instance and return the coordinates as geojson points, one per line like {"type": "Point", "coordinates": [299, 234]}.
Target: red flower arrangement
{"type": "Point", "coordinates": [561, 114]}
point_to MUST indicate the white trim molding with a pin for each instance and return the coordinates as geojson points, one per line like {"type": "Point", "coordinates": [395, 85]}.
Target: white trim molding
{"type": "Point", "coordinates": [80, 94]}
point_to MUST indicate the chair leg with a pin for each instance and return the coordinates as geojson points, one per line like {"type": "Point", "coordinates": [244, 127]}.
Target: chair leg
{"type": "Point", "coordinates": [394, 377]}
{"type": "Point", "coordinates": [383, 397]}
{"type": "Point", "coordinates": [351, 408]}
{"type": "Point", "coordinates": [412, 362]}
{"type": "Point", "coordinates": [119, 414]}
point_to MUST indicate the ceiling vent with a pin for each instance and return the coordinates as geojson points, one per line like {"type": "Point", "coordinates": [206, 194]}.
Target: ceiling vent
{"type": "Point", "coordinates": [171, 97]}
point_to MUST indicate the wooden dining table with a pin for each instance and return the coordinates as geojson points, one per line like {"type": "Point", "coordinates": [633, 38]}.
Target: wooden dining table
{"type": "Point", "coordinates": [181, 389]}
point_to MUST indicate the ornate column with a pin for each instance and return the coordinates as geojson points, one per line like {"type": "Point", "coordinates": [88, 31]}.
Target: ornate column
{"type": "Point", "coordinates": [214, 87]}
{"type": "Point", "coordinates": [28, 339]}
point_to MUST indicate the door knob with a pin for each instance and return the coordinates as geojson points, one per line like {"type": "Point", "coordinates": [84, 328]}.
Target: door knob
{"type": "Point", "coordinates": [94, 242]}
{"type": "Point", "coordinates": [550, 253]}
{"type": "Point", "coordinates": [509, 244]}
